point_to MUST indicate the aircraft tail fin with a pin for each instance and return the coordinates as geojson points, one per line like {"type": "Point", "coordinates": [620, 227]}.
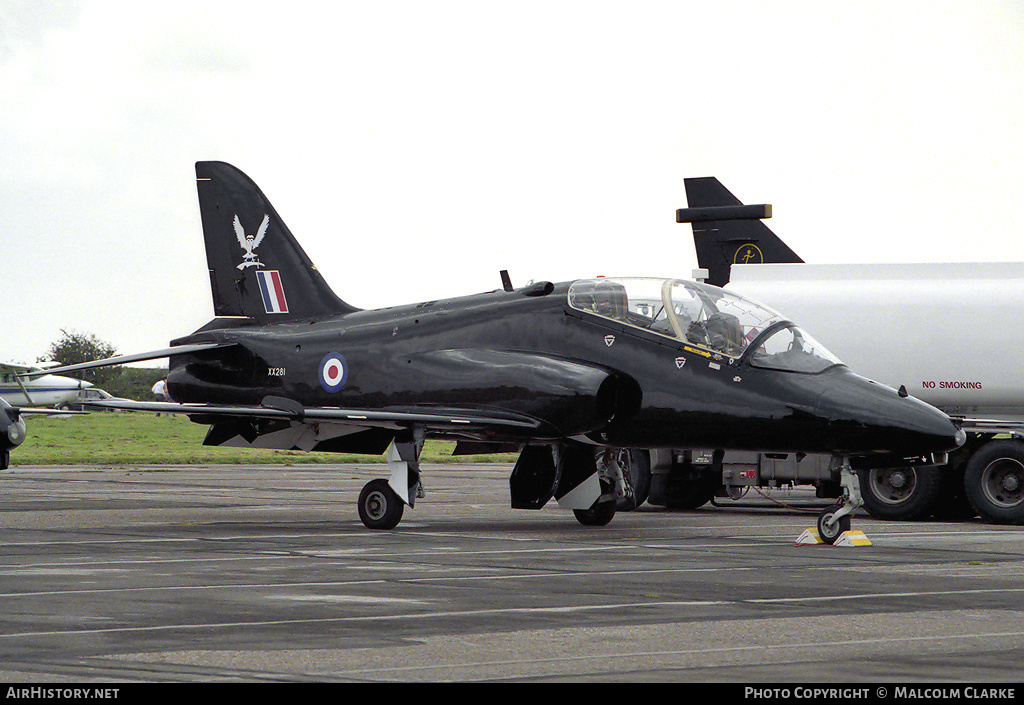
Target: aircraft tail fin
{"type": "Point", "coordinates": [726, 232]}
{"type": "Point", "coordinates": [257, 268]}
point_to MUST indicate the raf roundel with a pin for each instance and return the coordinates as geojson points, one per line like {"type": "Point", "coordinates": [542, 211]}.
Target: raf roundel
{"type": "Point", "coordinates": [333, 372]}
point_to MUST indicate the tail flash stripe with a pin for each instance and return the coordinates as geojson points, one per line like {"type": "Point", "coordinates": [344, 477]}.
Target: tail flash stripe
{"type": "Point", "coordinates": [272, 291]}
{"type": "Point", "coordinates": [279, 290]}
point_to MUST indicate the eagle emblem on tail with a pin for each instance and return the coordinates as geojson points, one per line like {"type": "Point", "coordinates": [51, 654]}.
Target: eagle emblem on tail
{"type": "Point", "coordinates": [249, 243]}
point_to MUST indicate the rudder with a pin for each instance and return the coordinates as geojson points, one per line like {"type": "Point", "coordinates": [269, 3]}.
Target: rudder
{"type": "Point", "coordinates": [257, 268]}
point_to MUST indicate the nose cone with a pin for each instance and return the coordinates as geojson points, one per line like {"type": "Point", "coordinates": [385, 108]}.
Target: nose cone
{"type": "Point", "coordinates": [69, 383]}
{"type": "Point", "coordinates": [866, 417]}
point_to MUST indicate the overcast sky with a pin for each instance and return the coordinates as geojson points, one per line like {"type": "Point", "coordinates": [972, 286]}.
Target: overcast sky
{"type": "Point", "coordinates": [417, 148]}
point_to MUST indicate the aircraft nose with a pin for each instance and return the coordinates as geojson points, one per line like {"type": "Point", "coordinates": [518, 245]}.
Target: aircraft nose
{"type": "Point", "coordinates": [869, 417]}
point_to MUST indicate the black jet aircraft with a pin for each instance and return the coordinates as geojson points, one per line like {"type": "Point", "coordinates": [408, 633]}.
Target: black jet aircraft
{"type": "Point", "coordinates": [561, 373]}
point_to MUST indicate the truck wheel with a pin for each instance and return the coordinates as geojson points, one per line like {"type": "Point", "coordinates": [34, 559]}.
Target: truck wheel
{"type": "Point", "coordinates": [899, 493]}
{"type": "Point", "coordinates": [952, 503]}
{"type": "Point", "coordinates": [994, 482]}
{"type": "Point", "coordinates": [689, 493]}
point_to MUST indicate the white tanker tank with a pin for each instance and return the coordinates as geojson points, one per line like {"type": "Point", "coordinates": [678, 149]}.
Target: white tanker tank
{"type": "Point", "coordinates": [949, 333]}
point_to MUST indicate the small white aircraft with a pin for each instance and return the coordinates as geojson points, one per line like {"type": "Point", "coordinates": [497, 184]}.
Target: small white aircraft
{"type": "Point", "coordinates": [18, 391]}
{"type": "Point", "coordinates": [43, 390]}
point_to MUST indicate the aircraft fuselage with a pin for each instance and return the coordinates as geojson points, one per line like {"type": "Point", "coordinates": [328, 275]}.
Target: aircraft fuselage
{"type": "Point", "coordinates": [46, 390]}
{"type": "Point", "coordinates": [580, 375]}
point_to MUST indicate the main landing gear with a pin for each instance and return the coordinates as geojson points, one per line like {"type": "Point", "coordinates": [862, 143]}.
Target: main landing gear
{"type": "Point", "coordinates": [833, 521]}
{"type": "Point", "coordinates": [591, 482]}
{"type": "Point", "coordinates": [382, 502]}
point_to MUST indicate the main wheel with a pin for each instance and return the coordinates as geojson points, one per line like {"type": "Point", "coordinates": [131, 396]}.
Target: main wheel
{"type": "Point", "coordinates": [379, 506]}
{"type": "Point", "coordinates": [598, 515]}
{"type": "Point", "coordinates": [994, 482]}
{"type": "Point", "coordinates": [829, 534]}
{"type": "Point", "coordinates": [900, 493]}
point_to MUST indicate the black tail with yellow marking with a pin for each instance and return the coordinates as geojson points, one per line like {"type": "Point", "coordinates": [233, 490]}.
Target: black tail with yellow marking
{"type": "Point", "coordinates": [725, 232]}
{"type": "Point", "coordinates": [257, 268]}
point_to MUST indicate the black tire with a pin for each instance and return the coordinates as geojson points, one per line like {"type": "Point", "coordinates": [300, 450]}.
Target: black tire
{"type": "Point", "coordinates": [636, 465]}
{"type": "Point", "coordinates": [830, 534]}
{"type": "Point", "coordinates": [598, 515]}
{"type": "Point", "coordinates": [994, 482]}
{"type": "Point", "coordinates": [379, 506]}
{"type": "Point", "coordinates": [689, 493]}
{"type": "Point", "coordinates": [952, 503]}
{"type": "Point", "coordinates": [900, 493]}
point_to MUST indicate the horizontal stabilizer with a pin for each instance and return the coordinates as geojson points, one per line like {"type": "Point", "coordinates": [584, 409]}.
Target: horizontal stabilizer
{"type": "Point", "coordinates": [704, 214]}
{"type": "Point", "coordinates": [124, 359]}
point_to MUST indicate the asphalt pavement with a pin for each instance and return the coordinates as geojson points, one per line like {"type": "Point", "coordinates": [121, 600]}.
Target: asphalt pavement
{"type": "Point", "coordinates": [265, 574]}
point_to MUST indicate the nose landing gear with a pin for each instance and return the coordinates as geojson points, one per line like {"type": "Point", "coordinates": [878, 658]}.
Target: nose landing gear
{"type": "Point", "coordinates": [833, 521]}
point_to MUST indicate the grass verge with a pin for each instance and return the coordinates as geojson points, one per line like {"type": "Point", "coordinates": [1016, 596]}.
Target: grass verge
{"type": "Point", "coordinates": [139, 438]}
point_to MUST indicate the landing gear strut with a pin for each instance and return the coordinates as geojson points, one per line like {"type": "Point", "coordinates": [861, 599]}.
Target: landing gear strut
{"type": "Point", "coordinates": [833, 521]}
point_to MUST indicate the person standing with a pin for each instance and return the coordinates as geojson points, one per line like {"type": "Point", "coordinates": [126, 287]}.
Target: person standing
{"type": "Point", "coordinates": [160, 392]}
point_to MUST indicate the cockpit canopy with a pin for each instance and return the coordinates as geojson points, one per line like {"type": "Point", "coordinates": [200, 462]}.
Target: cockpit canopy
{"type": "Point", "coordinates": [706, 317]}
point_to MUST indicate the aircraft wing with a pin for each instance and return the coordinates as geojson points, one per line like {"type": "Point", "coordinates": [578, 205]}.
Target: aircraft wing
{"type": "Point", "coordinates": [287, 409]}
{"type": "Point", "coordinates": [46, 411]}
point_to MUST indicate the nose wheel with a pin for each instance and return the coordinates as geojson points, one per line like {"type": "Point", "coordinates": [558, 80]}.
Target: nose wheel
{"type": "Point", "coordinates": [831, 526]}
{"type": "Point", "coordinates": [833, 521]}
